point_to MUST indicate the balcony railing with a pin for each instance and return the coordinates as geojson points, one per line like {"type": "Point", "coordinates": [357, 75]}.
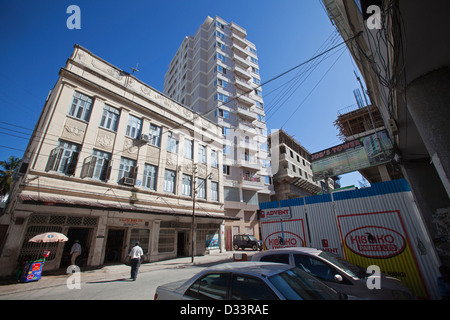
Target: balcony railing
{"type": "Point", "coordinates": [245, 112]}
{"type": "Point", "coordinates": [251, 179]}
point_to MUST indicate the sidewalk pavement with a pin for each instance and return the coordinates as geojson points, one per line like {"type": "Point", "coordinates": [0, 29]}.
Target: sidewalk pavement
{"type": "Point", "coordinates": [110, 272]}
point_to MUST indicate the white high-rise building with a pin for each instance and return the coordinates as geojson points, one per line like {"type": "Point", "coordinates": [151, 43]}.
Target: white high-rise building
{"type": "Point", "coordinates": [216, 73]}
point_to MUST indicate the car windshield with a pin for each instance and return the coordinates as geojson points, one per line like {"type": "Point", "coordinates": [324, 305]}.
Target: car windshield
{"type": "Point", "coordinates": [351, 269]}
{"type": "Point", "coordinates": [296, 284]}
{"type": "Point", "coordinates": [253, 238]}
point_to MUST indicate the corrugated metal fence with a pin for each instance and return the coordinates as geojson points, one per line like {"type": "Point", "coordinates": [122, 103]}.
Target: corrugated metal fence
{"type": "Point", "coordinates": [380, 225]}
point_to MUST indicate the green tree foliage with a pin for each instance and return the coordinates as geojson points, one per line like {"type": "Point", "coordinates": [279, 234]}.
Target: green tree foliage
{"type": "Point", "coordinates": [6, 172]}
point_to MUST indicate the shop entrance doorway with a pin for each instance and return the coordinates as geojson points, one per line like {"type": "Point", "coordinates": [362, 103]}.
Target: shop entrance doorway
{"type": "Point", "coordinates": [83, 235]}
{"type": "Point", "coordinates": [114, 246]}
{"type": "Point", "coordinates": [181, 244]}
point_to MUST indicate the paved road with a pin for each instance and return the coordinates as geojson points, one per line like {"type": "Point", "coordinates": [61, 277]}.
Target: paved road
{"type": "Point", "coordinates": [120, 288]}
{"type": "Point", "coordinates": [112, 282]}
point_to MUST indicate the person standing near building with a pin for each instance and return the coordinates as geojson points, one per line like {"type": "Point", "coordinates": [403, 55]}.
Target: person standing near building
{"type": "Point", "coordinates": [135, 258]}
{"type": "Point", "coordinates": [75, 251]}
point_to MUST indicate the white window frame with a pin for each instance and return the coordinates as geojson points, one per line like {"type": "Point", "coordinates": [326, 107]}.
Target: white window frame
{"type": "Point", "coordinates": [172, 143]}
{"type": "Point", "coordinates": [134, 126]}
{"type": "Point", "coordinates": [110, 118]}
{"type": "Point", "coordinates": [202, 154]}
{"type": "Point", "coordinates": [155, 135]}
{"type": "Point", "coordinates": [214, 159]}
{"type": "Point", "coordinates": [81, 106]}
{"type": "Point", "coordinates": [186, 189]}
{"type": "Point", "coordinates": [170, 178]}
{"type": "Point", "coordinates": [188, 149]}
{"type": "Point", "coordinates": [214, 191]}
{"type": "Point", "coordinates": [102, 158]}
{"type": "Point", "coordinates": [125, 167]}
{"type": "Point", "coordinates": [201, 188]}
{"type": "Point", "coordinates": [150, 176]}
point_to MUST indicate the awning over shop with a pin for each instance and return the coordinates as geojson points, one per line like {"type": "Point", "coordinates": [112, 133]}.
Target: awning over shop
{"type": "Point", "coordinates": [66, 202]}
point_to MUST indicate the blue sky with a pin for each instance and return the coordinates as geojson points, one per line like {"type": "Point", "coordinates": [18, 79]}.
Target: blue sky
{"type": "Point", "coordinates": [35, 43]}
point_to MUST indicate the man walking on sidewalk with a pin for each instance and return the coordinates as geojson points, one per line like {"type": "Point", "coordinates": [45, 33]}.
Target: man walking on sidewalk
{"type": "Point", "coordinates": [135, 258]}
{"type": "Point", "coordinates": [75, 251]}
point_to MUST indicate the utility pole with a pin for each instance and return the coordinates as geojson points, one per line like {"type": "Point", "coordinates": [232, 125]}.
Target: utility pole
{"type": "Point", "coordinates": [194, 191]}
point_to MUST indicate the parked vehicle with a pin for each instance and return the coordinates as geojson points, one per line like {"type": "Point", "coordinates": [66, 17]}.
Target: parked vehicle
{"type": "Point", "coordinates": [338, 273]}
{"type": "Point", "coordinates": [248, 281]}
{"type": "Point", "coordinates": [242, 241]}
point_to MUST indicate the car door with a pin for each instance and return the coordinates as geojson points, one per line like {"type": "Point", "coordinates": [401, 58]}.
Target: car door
{"type": "Point", "coordinates": [246, 287]}
{"type": "Point", "coordinates": [323, 271]}
{"type": "Point", "coordinates": [212, 286]}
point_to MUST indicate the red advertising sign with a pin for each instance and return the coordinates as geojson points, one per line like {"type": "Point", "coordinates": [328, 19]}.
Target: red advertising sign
{"type": "Point", "coordinates": [375, 242]}
{"type": "Point", "coordinates": [284, 239]}
{"type": "Point", "coordinates": [279, 213]}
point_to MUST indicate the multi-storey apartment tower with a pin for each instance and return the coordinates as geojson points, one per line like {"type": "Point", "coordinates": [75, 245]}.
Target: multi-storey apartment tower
{"type": "Point", "coordinates": [216, 73]}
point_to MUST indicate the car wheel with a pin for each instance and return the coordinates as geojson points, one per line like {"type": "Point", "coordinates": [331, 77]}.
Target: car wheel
{"type": "Point", "coordinates": [236, 247]}
{"type": "Point", "coordinates": [255, 247]}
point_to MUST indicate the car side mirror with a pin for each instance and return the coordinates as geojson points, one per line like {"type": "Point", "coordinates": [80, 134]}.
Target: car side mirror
{"type": "Point", "coordinates": [338, 278]}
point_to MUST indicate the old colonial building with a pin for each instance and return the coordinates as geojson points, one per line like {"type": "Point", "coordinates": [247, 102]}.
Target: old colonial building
{"type": "Point", "coordinates": [112, 161]}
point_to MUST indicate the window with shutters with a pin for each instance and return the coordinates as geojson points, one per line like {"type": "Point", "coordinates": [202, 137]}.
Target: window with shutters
{"type": "Point", "coordinates": [127, 171]}
{"type": "Point", "coordinates": [64, 158]}
{"type": "Point", "coordinates": [97, 166]}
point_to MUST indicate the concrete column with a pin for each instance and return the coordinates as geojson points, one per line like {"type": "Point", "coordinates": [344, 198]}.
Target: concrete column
{"type": "Point", "coordinates": [427, 190]}
{"type": "Point", "coordinates": [428, 99]}
{"type": "Point", "coordinates": [154, 241]}
{"type": "Point", "coordinates": [384, 173]}
{"type": "Point", "coordinates": [98, 249]}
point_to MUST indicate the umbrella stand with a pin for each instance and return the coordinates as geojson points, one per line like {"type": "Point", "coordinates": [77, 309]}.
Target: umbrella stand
{"type": "Point", "coordinates": [33, 269]}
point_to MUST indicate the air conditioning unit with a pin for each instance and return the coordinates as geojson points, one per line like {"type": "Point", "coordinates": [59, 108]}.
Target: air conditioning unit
{"type": "Point", "coordinates": [127, 181]}
{"type": "Point", "coordinates": [145, 137]}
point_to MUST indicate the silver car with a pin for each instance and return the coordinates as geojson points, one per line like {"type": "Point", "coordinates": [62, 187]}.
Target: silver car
{"type": "Point", "coordinates": [248, 281]}
{"type": "Point", "coordinates": [338, 273]}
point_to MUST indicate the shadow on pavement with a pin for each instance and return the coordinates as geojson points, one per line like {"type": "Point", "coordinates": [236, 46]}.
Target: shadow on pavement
{"type": "Point", "coordinates": [106, 281]}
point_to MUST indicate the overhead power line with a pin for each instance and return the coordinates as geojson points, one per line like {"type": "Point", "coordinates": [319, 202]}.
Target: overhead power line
{"type": "Point", "coordinates": [259, 86]}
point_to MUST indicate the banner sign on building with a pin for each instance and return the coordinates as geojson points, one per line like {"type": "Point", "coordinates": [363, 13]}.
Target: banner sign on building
{"type": "Point", "coordinates": [381, 238]}
{"type": "Point", "coordinates": [279, 213]}
{"type": "Point", "coordinates": [367, 151]}
{"type": "Point", "coordinates": [380, 226]}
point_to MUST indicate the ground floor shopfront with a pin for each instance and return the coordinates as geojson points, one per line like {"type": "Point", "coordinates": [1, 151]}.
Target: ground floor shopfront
{"type": "Point", "coordinates": [106, 235]}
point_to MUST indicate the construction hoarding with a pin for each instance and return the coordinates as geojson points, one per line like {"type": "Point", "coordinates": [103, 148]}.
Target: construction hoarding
{"type": "Point", "coordinates": [380, 225]}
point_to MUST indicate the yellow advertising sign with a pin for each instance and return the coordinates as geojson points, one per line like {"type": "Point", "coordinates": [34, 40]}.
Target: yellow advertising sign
{"type": "Point", "coordinates": [380, 238]}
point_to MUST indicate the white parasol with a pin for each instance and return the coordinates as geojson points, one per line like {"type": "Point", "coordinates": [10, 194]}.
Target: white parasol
{"type": "Point", "coordinates": [49, 237]}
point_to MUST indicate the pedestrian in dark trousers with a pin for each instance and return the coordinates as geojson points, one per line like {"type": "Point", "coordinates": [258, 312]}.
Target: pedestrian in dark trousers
{"type": "Point", "coordinates": [135, 258]}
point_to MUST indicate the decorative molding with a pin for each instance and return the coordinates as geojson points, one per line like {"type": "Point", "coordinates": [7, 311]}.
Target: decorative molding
{"type": "Point", "coordinates": [74, 130]}
{"type": "Point", "coordinates": [107, 69]}
{"type": "Point", "coordinates": [105, 140]}
{"type": "Point", "coordinates": [129, 149]}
